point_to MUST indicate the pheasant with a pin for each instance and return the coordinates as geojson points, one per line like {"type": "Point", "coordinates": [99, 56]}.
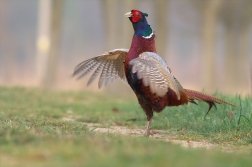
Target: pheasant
{"type": "Point", "coordinates": [144, 70]}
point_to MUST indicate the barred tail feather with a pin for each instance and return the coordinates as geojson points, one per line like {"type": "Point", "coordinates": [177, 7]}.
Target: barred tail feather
{"type": "Point", "coordinates": [211, 100]}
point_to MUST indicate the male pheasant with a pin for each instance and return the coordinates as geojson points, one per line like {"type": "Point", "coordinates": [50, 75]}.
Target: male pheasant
{"type": "Point", "coordinates": [145, 71]}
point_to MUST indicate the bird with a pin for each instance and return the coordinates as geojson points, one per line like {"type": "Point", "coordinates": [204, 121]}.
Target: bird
{"type": "Point", "coordinates": [144, 71]}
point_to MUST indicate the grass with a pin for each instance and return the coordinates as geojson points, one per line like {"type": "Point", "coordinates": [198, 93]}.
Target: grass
{"type": "Point", "coordinates": [33, 132]}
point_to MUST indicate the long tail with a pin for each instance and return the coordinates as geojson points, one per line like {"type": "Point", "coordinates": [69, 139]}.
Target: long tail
{"type": "Point", "coordinates": [211, 100]}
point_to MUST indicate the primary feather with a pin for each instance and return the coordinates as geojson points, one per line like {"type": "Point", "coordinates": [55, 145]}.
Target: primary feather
{"type": "Point", "coordinates": [108, 66]}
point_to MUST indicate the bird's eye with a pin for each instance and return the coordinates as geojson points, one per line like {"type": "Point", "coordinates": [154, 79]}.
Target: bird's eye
{"type": "Point", "coordinates": [137, 13]}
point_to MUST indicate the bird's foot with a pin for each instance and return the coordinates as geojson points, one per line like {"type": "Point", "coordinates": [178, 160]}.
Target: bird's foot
{"type": "Point", "coordinates": [148, 133]}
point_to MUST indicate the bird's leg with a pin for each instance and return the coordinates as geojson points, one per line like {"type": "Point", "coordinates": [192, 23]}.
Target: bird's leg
{"type": "Point", "coordinates": [147, 133]}
{"type": "Point", "coordinates": [148, 111]}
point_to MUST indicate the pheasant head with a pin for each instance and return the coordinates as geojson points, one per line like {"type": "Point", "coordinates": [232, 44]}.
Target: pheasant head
{"type": "Point", "coordinates": [140, 24]}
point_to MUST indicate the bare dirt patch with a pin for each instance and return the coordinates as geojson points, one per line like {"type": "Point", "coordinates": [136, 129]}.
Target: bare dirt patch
{"type": "Point", "coordinates": [156, 134]}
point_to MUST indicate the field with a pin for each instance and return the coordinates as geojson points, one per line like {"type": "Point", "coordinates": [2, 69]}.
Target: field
{"type": "Point", "coordinates": [40, 128]}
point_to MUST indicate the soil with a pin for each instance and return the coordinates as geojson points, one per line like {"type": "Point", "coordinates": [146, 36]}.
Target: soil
{"type": "Point", "coordinates": [156, 134]}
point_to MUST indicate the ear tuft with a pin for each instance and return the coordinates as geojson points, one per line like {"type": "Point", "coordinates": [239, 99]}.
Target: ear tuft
{"type": "Point", "coordinates": [145, 14]}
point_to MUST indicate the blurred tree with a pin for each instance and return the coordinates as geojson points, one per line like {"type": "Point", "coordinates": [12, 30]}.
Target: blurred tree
{"type": "Point", "coordinates": [161, 22]}
{"type": "Point", "coordinates": [54, 53]}
{"type": "Point", "coordinates": [110, 18]}
{"type": "Point", "coordinates": [43, 39]}
{"type": "Point", "coordinates": [210, 18]}
{"type": "Point", "coordinates": [7, 44]}
{"type": "Point", "coordinates": [208, 10]}
{"type": "Point", "coordinates": [117, 35]}
{"type": "Point", "coordinates": [237, 20]}
{"type": "Point", "coordinates": [2, 7]}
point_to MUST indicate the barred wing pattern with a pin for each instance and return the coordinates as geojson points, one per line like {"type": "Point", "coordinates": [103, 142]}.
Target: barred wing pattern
{"type": "Point", "coordinates": [155, 73]}
{"type": "Point", "coordinates": [109, 66]}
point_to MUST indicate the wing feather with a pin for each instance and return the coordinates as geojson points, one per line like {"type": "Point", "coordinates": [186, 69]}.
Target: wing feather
{"type": "Point", "coordinates": [114, 72]}
{"type": "Point", "coordinates": [103, 75]}
{"type": "Point", "coordinates": [155, 73]}
{"type": "Point", "coordinates": [108, 66]}
{"type": "Point", "coordinates": [90, 67]}
{"type": "Point", "coordinates": [82, 66]}
{"type": "Point", "coordinates": [96, 73]}
{"type": "Point", "coordinates": [107, 73]}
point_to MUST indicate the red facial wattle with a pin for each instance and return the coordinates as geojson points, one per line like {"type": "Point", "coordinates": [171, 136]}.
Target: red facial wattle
{"type": "Point", "coordinates": [136, 15]}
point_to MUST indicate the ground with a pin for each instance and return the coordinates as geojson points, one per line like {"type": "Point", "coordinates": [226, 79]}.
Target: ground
{"type": "Point", "coordinates": [59, 128]}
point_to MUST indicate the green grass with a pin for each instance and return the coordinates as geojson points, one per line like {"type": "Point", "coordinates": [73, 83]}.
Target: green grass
{"type": "Point", "coordinates": [33, 132]}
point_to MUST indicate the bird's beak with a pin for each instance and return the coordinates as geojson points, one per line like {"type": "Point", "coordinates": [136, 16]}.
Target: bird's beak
{"type": "Point", "coordinates": [128, 14]}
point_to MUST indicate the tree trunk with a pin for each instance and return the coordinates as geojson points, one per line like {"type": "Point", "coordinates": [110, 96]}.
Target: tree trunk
{"type": "Point", "coordinates": [243, 62]}
{"type": "Point", "coordinates": [7, 45]}
{"type": "Point", "coordinates": [53, 59]}
{"type": "Point", "coordinates": [209, 37]}
{"type": "Point", "coordinates": [231, 68]}
{"type": "Point", "coordinates": [110, 18]}
{"type": "Point", "coordinates": [162, 28]}
{"type": "Point", "coordinates": [43, 40]}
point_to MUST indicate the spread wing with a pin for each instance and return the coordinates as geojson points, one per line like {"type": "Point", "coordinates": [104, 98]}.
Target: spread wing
{"type": "Point", "coordinates": [109, 66]}
{"type": "Point", "coordinates": [155, 73]}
